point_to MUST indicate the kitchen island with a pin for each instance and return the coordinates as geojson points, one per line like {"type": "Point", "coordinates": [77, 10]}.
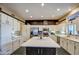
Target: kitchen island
{"type": "Point", "coordinates": [43, 46]}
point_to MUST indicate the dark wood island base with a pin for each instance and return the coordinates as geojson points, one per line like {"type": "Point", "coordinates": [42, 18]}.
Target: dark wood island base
{"type": "Point", "coordinates": [40, 51]}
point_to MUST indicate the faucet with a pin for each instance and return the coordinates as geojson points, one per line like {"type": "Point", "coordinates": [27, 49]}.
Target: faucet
{"type": "Point", "coordinates": [40, 36]}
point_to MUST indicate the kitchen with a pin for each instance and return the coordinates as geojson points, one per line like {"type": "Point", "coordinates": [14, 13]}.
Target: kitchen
{"type": "Point", "coordinates": [39, 29]}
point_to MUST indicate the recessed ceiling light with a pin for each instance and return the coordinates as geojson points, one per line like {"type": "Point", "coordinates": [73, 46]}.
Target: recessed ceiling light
{"type": "Point", "coordinates": [69, 9]}
{"type": "Point", "coordinates": [42, 4]}
{"type": "Point", "coordinates": [58, 9]}
{"type": "Point", "coordinates": [42, 16]}
{"type": "Point", "coordinates": [31, 16]}
{"type": "Point", "coordinates": [27, 10]}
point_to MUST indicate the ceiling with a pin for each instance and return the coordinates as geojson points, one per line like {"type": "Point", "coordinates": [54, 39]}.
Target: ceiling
{"type": "Point", "coordinates": [38, 12]}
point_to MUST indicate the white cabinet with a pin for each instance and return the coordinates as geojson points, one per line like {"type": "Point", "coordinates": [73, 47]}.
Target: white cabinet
{"type": "Point", "coordinates": [76, 48]}
{"type": "Point", "coordinates": [54, 37]}
{"type": "Point", "coordinates": [65, 44]}
{"type": "Point", "coordinates": [27, 32]}
{"type": "Point", "coordinates": [6, 39]}
{"type": "Point", "coordinates": [71, 47]}
{"type": "Point", "coordinates": [18, 25]}
{"type": "Point", "coordinates": [68, 45]}
{"type": "Point", "coordinates": [22, 40]}
{"type": "Point", "coordinates": [6, 48]}
{"type": "Point", "coordinates": [15, 25]}
{"type": "Point", "coordinates": [8, 26]}
{"type": "Point", "coordinates": [61, 42]}
{"type": "Point", "coordinates": [16, 44]}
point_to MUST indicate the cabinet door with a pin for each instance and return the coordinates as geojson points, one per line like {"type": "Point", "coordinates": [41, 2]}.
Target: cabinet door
{"type": "Point", "coordinates": [18, 25]}
{"type": "Point", "coordinates": [76, 48]}
{"type": "Point", "coordinates": [27, 31]}
{"type": "Point", "coordinates": [22, 40]}
{"type": "Point", "coordinates": [16, 45]}
{"type": "Point", "coordinates": [6, 28]}
{"type": "Point", "coordinates": [65, 44]}
{"type": "Point", "coordinates": [3, 28]}
{"type": "Point", "coordinates": [61, 42]}
{"type": "Point", "coordinates": [7, 48]}
{"type": "Point", "coordinates": [15, 25]}
{"type": "Point", "coordinates": [54, 38]}
{"type": "Point", "coordinates": [71, 47]}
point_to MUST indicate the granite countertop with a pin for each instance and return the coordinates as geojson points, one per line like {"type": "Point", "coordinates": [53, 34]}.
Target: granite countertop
{"type": "Point", "coordinates": [73, 38]}
{"type": "Point", "coordinates": [44, 42]}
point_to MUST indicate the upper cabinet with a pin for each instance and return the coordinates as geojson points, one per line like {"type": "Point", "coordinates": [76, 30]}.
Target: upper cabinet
{"type": "Point", "coordinates": [41, 22]}
{"type": "Point", "coordinates": [74, 20]}
{"type": "Point", "coordinates": [16, 27]}
{"type": "Point", "coordinates": [6, 28]}
{"type": "Point", "coordinates": [73, 16]}
{"type": "Point", "coordinates": [3, 16]}
{"type": "Point", "coordinates": [9, 26]}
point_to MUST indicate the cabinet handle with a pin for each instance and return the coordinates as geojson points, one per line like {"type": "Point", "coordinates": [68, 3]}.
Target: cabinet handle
{"type": "Point", "coordinates": [0, 49]}
{"type": "Point", "coordinates": [41, 51]}
{"type": "Point", "coordinates": [24, 41]}
{"type": "Point", "coordinates": [74, 47]}
{"type": "Point", "coordinates": [38, 51]}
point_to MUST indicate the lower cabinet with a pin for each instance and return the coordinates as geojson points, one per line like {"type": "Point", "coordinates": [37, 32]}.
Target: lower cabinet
{"type": "Point", "coordinates": [61, 42]}
{"type": "Point", "coordinates": [71, 47]}
{"type": "Point", "coordinates": [16, 45]}
{"type": "Point", "coordinates": [54, 38]}
{"type": "Point", "coordinates": [6, 49]}
{"type": "Point", "coordinates": [68, 45]}
{"type": "Point", "coordinates": [65, 44]}
{"type": "Point", "coordinates": [10, 47]}
{"type": "Point", "coordinates": [58, 39]}
{"type": "Point", "coordinates": [40, 51]}
{"type": "Point", "coordinates": [76, 48]}
{"type": "Point", "coordinates": [22, 40]}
